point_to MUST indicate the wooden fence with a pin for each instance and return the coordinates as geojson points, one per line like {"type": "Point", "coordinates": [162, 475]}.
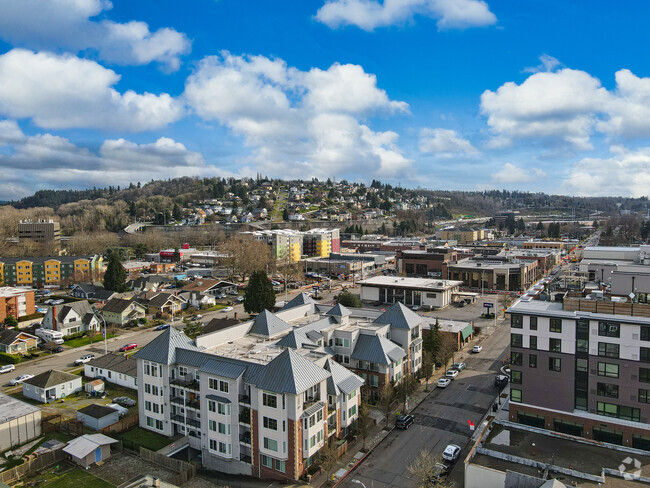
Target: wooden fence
{"type": "Point", "coordinates": [613, 308]}
{"type": "Point", "coordinates": [184, 471]}
{"type": "Point", "coordinates": [121, 425]}
{"type": "Point", "coordinates": [31, 466]}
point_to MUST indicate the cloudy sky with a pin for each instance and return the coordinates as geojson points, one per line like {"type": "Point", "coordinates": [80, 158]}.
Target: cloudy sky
{"type": "Point", "coordinates": [538, 95]}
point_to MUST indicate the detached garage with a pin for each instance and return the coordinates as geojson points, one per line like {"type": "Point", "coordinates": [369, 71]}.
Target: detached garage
{"type": "Point", "coordinates": [97, 417]}
{"type": "Point", "coordinates": [89, 449]}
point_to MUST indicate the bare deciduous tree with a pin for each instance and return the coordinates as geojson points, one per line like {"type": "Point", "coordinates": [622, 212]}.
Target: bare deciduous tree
{"type": "Point", "coordinates": [421, 469]}
{"type": "Point", "coordinates": [386, 397]}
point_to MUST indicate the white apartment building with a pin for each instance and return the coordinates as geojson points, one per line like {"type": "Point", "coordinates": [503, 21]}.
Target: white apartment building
{"type": "Point", "coordinates": [263, 397]}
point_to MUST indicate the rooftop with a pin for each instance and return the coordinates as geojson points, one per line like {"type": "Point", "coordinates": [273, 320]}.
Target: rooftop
{"type": "Point", "coordinates": [51, 378]}
{"type": "Point", "coordinates": [419, 283]}
{"type": "Point", "coordinates": [12, 408]}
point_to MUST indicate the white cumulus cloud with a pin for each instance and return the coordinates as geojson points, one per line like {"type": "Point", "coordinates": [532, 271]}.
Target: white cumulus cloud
{"type": "Point", "coordinates": [299, 123]}
{"type": "Point", "coordinates": [445, 143]}
{"type": "Point", "coordinates": [371, 14]}
{"type": "Point", "coordinates": [68, 24]}
{"type": "Point", "coordinates": [63, 91]}
{"type": "Point", "coordinates": [510, 173]}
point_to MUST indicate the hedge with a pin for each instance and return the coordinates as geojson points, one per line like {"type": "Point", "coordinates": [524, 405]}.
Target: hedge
{"type": "Point", "coordinates": [76, 335]}
{"type": "Point", "coordinates": [9, 358]}
{"type": "Point", "coordinates": [35, 315]}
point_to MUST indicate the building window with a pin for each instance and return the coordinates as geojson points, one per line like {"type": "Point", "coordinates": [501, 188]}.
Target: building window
{"type": "Point", "coordinates": [607, 390]}
{"type": "Point", "coordinates": [267, 461]}
{"type": "Point", "coordinates": [555, 364]}
{"type": "Point", "coordinates": [516, 321]}
{"type": "Point", "coordinates": [515, 395]}
{"type": "Point", "coordinates": [352, 411]}
{"type": "Point", "coordinates": [222, 447]}
{"type": "Point", "coordinates": [532, 342]}
{"type": "Point", "coordinates": [212, 425]}
{"type": "Point", "coordinates": [609, 329]}
{"type": "Point", "coordinates": [374, 380]}
{"type": "Point", "coordinates": [270, 423]}
{"type": "Point", "coordinates": [533, 323]}
{"type": "Point", "coordinates": [618, 411]}
{"type": "Point", "coordinates": [516, 340]}
{"type": "Point", "coordinates": [555, 325]}
{"type": "Point", "coordinates": [270, 444]}
{"type": "Point", "coordinates": [645, 355]}
{"type": "Point", "coordinates": [213, 445]}
{"type": "Point", "coordinates": [280, 466]}
{"type": "Point", "coordinates": [608, 369]}
{"type": "Point", "coordinates": [516, 377]}
{"type": "Point", "coordinates": [582, 365]}
{"type": "Point", "coordinates": [213, 384]}
{"type": "Point", "coordinates": [608, 350]}
{"type": "Point", "coordinates": [582, 345]}
{"type": "Point", "coordinates": [516, 359]}
{"type": "Point", "coordinates": [269, 400]}
{"type": "Point", "coordinates": [555, 345]}
{"type": "Point", "coordinates": [643, 396]}
{"type": "Point", "coordinates": [212, 407]}
{"type": "Point", "coordinates": [532, 361]}
{"type": "Point", "coordinates": [644, 375]}
{"type": "Point", "coordinates": [222, 428]}
{"type": "Point", "coordinates": [221, 408]}
{"type": "Point", "coordinates": [645, 333]}
{"type": "Point", "coordinates": [223, 386]}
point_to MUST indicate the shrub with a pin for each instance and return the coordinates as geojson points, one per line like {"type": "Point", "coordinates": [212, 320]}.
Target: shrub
{"type": "Point", "coordinates": [9, 358]}
{"type": "Point", "coordinates": [33, 316]}
{"type": "Point", "coordinates": [76, 335]}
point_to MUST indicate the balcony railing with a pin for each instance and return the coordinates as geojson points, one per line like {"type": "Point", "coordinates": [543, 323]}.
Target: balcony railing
{"type": "Point", "coordinates": [188, 384]}
{"type": "Point", "coordinates": [190, 403]}
{"type": "Point", "coordinates": [246, 459]}
{"type": "Point", "coordinates": [245, 416]}
{"type": "Point", "coordinates": [245, 438]}
{"type": "Point", "coordinates": [183, 420]}
{"type": "Point", "coordinates": [245, 399]}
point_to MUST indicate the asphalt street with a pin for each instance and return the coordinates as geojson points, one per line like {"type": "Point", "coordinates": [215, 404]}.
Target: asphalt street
{"type": "Point", "coordinates": [441, 419]}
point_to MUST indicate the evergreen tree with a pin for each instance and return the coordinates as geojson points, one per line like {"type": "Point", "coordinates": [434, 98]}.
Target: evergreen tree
{"type": "Point", "coordinates": [540, 226]}
{"type": "Point", "coordinates": [115, 276]}
{"type": "Point", "coordinates": [285, 215]}
{"type": "Point", "coordinates": [177, 212]}
{"type": "Point", "coordinates": [132, 209]}
{"type": "Point", "coordinates": [259, 294]}
{"type": "Point", "coordinates": [177, 255]}
{"type": "Point", "coordinates": [347, 299]}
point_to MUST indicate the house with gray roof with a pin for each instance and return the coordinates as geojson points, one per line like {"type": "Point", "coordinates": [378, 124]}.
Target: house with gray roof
{"type": "Point", "coordinates": [51, 385]}
{"type": "Point", "coordinates": [114, 368]}
{"type": "Point", "coordinates": [71, 318]}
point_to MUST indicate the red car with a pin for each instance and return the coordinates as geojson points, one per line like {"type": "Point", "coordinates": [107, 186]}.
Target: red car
{"type": "Point", "coordinates": [128, 347]}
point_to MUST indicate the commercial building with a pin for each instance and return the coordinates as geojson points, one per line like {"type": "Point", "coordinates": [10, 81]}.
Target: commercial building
{"type": "Point", "coordinates": [336, 266]}
{"type": "Point", "coordinates": [422, 263]}
{"type": "Point", "coordinates": [20, 422]}
{"type": "Point", "coordinates": [423, 292]}
{"type": "Point", "coordinates": [462, 235]}
{"type": "Point", "coordinates": [185, 253]}
{"type": "Point", "coordinates": [493, 273]}
{"type": "Point", "coordinates": [51, 271]}
{"type": "Point", "coordinates": [16, 302]}
{"type": "Point", "coordinates": [582, 367]}
{"type": "Point", "coordinates": [51, 385]}
{"type": "Point", "coordinates": [559, 245]}
{"type": "Point", "coordinates": [500, 218]}
{"type": "Point", "coordinates": [42, 231]}
{"type": "Point", "coordinates": [262, 397]}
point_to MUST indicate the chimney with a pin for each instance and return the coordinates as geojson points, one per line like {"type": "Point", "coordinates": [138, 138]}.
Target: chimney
{"type": "Point", "coordinates": [235, 315]}
{"type": "Point", "coordinates": [54, 325]}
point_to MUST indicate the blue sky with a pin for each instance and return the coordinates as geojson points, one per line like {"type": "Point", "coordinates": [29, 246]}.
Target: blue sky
{"type": "Point", "coordinates": [445, 94]}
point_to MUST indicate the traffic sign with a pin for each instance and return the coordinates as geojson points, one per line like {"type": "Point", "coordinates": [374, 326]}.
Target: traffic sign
{"type": "Point", "coordinates": [488, 304]}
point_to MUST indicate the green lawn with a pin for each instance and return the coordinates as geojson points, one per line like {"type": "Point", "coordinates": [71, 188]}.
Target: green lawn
{"type": "Point", "coordinates": [78, 478]}
{"type": "Point", "coordinates": [214, 308]}
{"type": "Point", "coordinates": [138, 436]}
{"type": "Point", "coordinates": [84, 341]}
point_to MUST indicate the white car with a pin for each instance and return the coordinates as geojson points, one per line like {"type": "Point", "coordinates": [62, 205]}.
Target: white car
{"type": "Point", "coordinates": [20, 379]}
{"type": "Point", "coordinates": [84, 359]}
{"type": "Point", "coordinates": [452, 373]}
{"type": "Point", "coordinates": [451, 453]}
{"type": "Point", "coordinates": [443, 382]}
{"type": "Point", "coordinates": [227, 309]}
{"type": "Point", "coordinates": [477, 349]}
{"type": "Point", "coordinates": [415, 308]}
{"type": "Point", "coordinates": [7, 368]}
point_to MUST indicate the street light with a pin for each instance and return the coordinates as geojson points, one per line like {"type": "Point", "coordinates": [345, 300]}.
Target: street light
{"type": "Point", "coordinates": [359, 482]}
{"type": "Point", "coordinates": [101, 316]}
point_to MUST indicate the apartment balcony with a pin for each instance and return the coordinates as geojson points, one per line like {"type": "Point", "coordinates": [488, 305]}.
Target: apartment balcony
{"type": "Point", "coordinates": [245, 438]}
{"type": "Point", "coordinates": [190, 384]}
{"type": "Point", "coordinates": [245, 416]}
{"type": "Point", "coordinates": [180, 419]}
{"type": "Point", "coordinates": [195, 404]}
{"type": "Point", "coordinates": [310, 401]}
{"type": "Point", "coordinates": [244, 399]}
{"type": "Point", "coordinates": [246, 459]}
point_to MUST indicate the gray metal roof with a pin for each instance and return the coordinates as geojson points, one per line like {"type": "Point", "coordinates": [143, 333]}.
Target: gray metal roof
{"type": "Point", "coordinates": [163, 348]}
{"type": "Point", "coordinates": [339, 311]}
{"type": "Point", "coordinates": [198, 359]}
{"type": "Point", "coordinates": [219, 399]}
{"type": "Point", "coordinates": [344, 379]}
{"type": "Point", "coordinates": [312, 410]}
{"type": "Point", "coordinates": [223, 369]}
{"type": "Point", "coordinates": [268, 325]}
{"type": "Point", "coordinates": [376, 349]}
{"type": "Point", "coordinates": [297, 301]}
{"type": "Point", "coordinates": [289, 372]}
{"type": "Point", "coordinates": [51, 378]}
{"type": "Point", "coordinates": [12, 408]}
{"type": "Point", "coordinates": [399, 317]}
{"type": "Point", "coordinates": [295, 339]}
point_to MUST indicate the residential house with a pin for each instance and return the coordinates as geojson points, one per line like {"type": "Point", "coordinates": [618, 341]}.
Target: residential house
{"type": "Point", "coordinates": [16, 341]}
{"type": "Point", "coordinates": [113, 368]}
{"type": "Point", "coordinates": [120, 311]}
{"type": "Point", "coordinates": [51, 386]}
{"type": "Point", "coordinates": [91, 291]}
{"type": "Point", "coordinates": [71, 318]}
{"type": "Point", "coordinates": [160, 302]}
{"type": "Point", "coordinates": [149, 283]}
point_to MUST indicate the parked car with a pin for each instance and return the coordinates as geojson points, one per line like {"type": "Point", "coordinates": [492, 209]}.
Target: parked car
{"type": "Point", "coordinates": [198, 317]}
{"type": "Point", "coordinates": [57, 349]}
{"type": "Point", "coordinates": [162, 327]}
{"type": "Point", "coordinates": [226, 309]}
{"type": "Point", "coordinates": [124, 401]}
{"type": "Point", "coordinates": [7, 368]}
{"type": "Point", "coordinates": [403, 421]}
{"type": "Point", "coordinates": [84, 359]}
{"type": "Point", "coordinates": [415, 308]}
{"type": "Point", "coordinates": [452, 373]}
{"type": "Point", "coordinates": [128, 347]}
{"type": "Point", "coordinates": [233, 293]}
{"type": "Point", "coordinates": [476, 349]}
{"type": "Point", "coordinates": [451, 453]}
{"type": "Point", "coordinates": [239, 299]}
{"type": "Point", "coordinates": [58, 302]}
{"type": "Point", "coordinates": [443, 382]}
{"type": "Point", "coordinates": [20, 379]}
{"type": "Point", "coordinates": [459, 366]}
{"type": "Point", "coordinates": [439, 471]}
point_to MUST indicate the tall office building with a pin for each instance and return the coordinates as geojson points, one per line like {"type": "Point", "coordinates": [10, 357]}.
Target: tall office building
{"type": "Point", "coordinates": [42, 231]}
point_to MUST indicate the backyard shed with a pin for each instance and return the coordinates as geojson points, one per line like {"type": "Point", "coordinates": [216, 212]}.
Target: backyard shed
{"type": "Point", "coordinates": [97, 417]}
{"type": "Point", "coordinates": [89, 448]}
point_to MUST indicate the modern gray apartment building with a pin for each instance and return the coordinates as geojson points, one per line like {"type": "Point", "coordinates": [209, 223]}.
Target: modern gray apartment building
{"type": "Point", "coordinates": [581, 369]}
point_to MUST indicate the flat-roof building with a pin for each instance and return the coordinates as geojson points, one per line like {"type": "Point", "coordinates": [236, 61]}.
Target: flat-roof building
{"type": "Point", "coordinates": [424, 292]}
{"type": "Point", "coordinates": [42, 231]}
